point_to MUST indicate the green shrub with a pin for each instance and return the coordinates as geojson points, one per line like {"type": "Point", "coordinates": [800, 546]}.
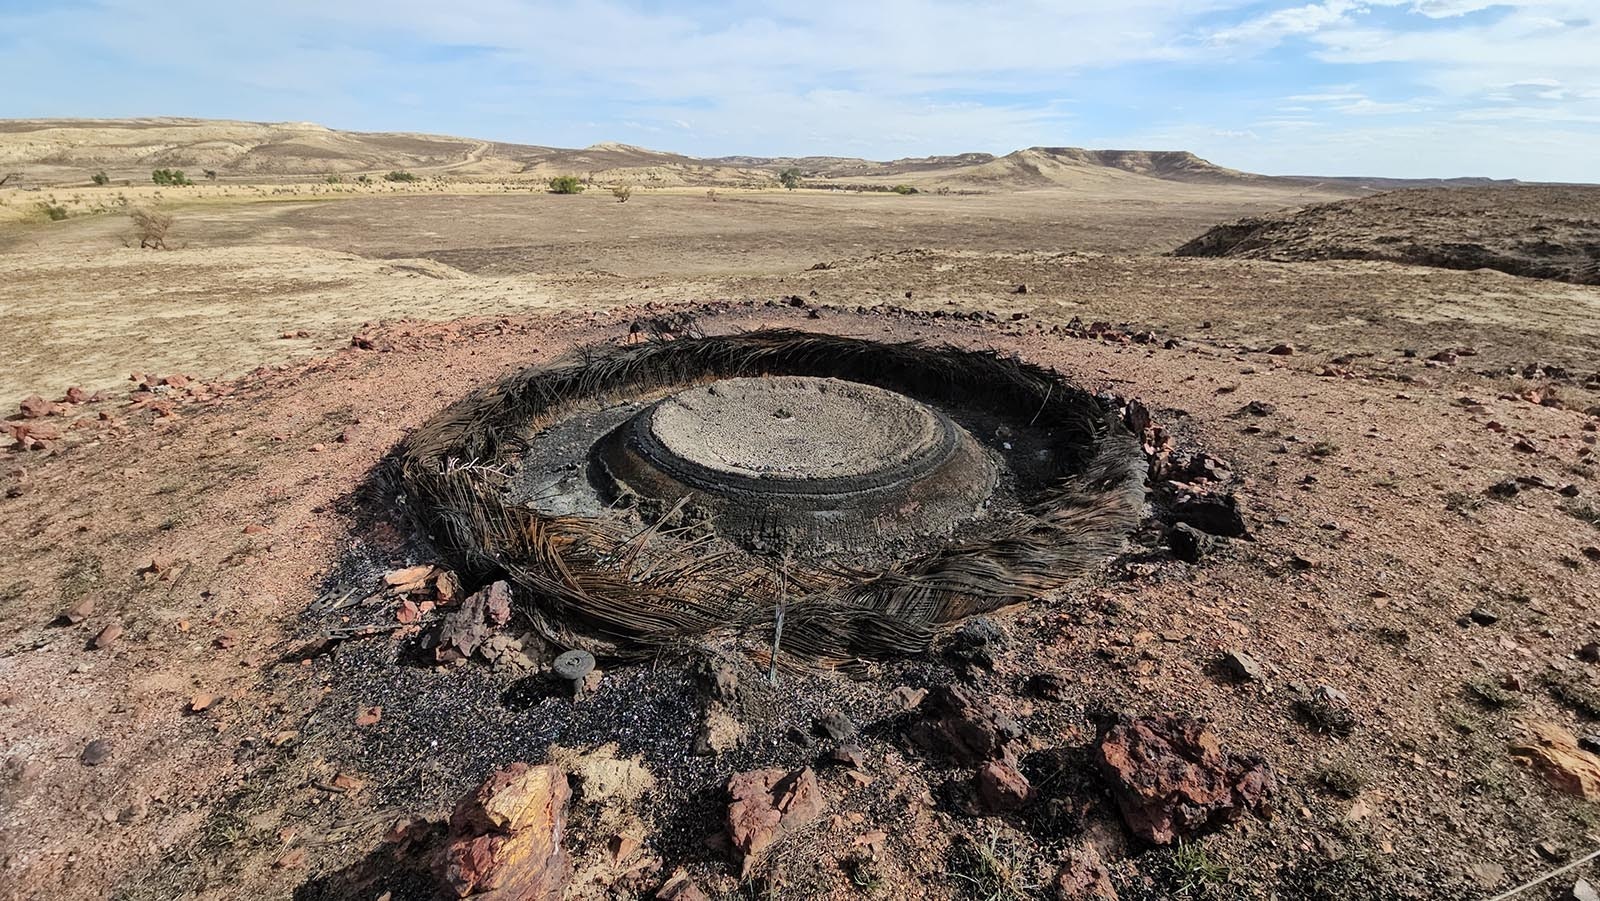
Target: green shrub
{"type": "Point", "coordinates": [100, 178]}
{"type": "Point", "coordinates": [399, 175]}
{"type": "Point", "coordinates": [53, 212]}
{"type": "Point", "coordinates": [364, 179]}
{"type": "Point", "coordinates": [904, 189]}
{"type": "Point", "coordinates": [333, 179]}
{"type": "Point", "coordinates": [171, 177]}
{"type": "Point", "coordinates": [789, 178]}
{"type": "Point", "coordinates": [566, 184]}
{"type": "Point", "coordinates": [622, 193]}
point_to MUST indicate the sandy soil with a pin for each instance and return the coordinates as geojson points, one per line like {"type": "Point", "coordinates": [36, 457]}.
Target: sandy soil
{"type": "Point", "coordinates": [206, 520]}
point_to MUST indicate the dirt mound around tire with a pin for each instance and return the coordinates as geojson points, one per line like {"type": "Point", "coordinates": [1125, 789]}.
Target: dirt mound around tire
{"type": "Point", "coordinates": [1537, 231]}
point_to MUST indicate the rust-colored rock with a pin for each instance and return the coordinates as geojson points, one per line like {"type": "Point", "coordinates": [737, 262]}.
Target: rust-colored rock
{"type": "Point", "coordinates": [960, 727]}
{"type": "Point", "coordinates": [1172, 779]}
{"type": "Point", "coordinates": [1084, 877]}
{"type": "Point", "coordinates": [1554, 752]}
{"type": "Point", "coordinates": [768, 804]}
{"type": "Point", "coordinates": [1001, 787]}
{"type": "Point", "coordinates": [505, 837]}
{"type": "Point", "coordinates": [33, 407]}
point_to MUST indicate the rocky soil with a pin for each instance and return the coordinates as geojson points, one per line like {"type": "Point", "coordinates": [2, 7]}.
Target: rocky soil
{"type": "Point", "coordinates": [1350, 654]}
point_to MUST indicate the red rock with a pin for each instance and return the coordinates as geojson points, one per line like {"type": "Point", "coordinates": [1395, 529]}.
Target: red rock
{"type": "Point", "coordinates": [1172, 779]}
{"type": "Point", "coordinates": [290, 861]}
{"type": "Point", "coordinates": [201, 702]}
{"type": "Point", "coordinates": [1084, 877]}
{"type": "Point", "coordinates": [348, 435]}
{"type": "Point", "coordinates": [254, 529]}
{"type": "Point", "coordinates": [369, 716]}
{"type": "Point", "coordinates": [176, 380]}
{"type": "Point", "coordinates": [504, 841]}
{"type": "Point", "coordinates": [768, 804]}
{"type": "Point", "coordinates": [33, 407]}
{"type": "Point", "coordinates": [412, 578]}
{"type": "Point", "coordinates": [79, 612]}
{"type": "Point", "coordinates": [76, 395]}
{"type": "Point", "coordinates": [107, 635]}
{"type": "Point", "coordinates": [408, 613]}
{"type": "Point", "coordinates": [1001, 787]}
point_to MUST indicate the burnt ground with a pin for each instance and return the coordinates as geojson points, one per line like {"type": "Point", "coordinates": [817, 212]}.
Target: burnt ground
{"type": "Point", "coordinates": [1538, 231]}
{"type": "Point", "coordinates": [207, 521]}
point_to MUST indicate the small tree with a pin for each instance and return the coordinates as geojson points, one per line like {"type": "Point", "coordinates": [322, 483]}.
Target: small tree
{"type": "Point", "coordinates": [364, 179]}
{"type": "Point", "coordinates": [904, 189]}
{"type": "Point", "coordinates": [100, 178]}
{"type": "Point", "coordinates": [334, 179]}
{"type": "Point", "coordinates": [400, 175]}
{"type": "Point", "coordinates": [622, 193]}
{"type": "Point", "coordinates": [170, 177]}
{"type": "Point", "coordinates": [53, 212]}
{"type": "Point", "coordinates": [789, 178]}
{"type": "Point", "coordinates": [566, 184]}
{"type": "Point", "coordinates": [151, 226]}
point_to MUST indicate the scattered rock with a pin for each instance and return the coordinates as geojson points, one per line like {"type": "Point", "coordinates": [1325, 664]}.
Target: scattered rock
{"type": "Point", "coordinates": [1583, 891]}
{"type": "Point", "coordinates": [505, 837]}
{"type": "Point", "coordinates": [96, 752]}
{"type": "Point", "coordinates": [768, 804]}
{"type": "Point", "coordinates": [107, 636]}
{"type": "Point", "coordinates": [1483, 617]}
{"type": "Point", "coordinates": [1486, 875]}
{"type": "Point", "coordinates": [1241, 667]}
{"type": "Point", "coordinates": [1555, 753]}
{"type": "Point", "coordinates": [1172, 779]}
{"type": "Point", "coordinates": [412, 578]}
{"type": "Point", "coordinates": [908, 698]}
{"type": "Point", "coordinates": [1188, 543]}
{"type": "Point", "coordinates": [1001, 787]}
{"type": "Point", "coordinates": [957, 726]}
{"type": "Point", "coordinates": [1590, 653]}
{"type": "Point", "coordinates": [835, 725]}
{"type": "Point", "coordinates": [1085, 877]}
{"type": "Point", "coordinates": [1281, 350]}
{"type": "Point", "coordinates": [470, 625]}
{"type": "Point", "coordinates": [852, 756]}
{"type": "Point", "coordinates": [974, 643]}
{"type": "Point", "coordinates": [1257, 408]}
{"type": "Point", "coordinates": [35, 407]}
{"type": "Point", "coordinates": [79, 612]}
{"type": "Point", "coordinates": [1214, 514]}
{"type": "Point", "coordinates": [202, 702]}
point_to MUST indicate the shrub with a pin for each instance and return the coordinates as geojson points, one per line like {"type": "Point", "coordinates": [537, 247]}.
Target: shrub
{"type": "Point", "coordinates": [789, 178]}
{"type": "Point", "coordinates": [53, 212]}
{"type": "Point", "coordinates": [174, 177]}
{"type": "Point", "coordinates": [400, 175]}
{"type": "Point", "coordinates": [100, 178]}
{"type": "Point", "coordinates": [151, 226]}
{"type": "Point", "coordinates": [622, 193]}
{"type": "Point", "coordinates": [210, 174]}
{"type": "Point", "coordinates": [333, 179]}
{"type": "Point", "coordinates": [566, 184]}
{"type": "Point", "coordinates": [904, 189]}
{"type": "Point", "coordinates": [364, 179]}
{"type": "Point", "coordinates": [711, 195]}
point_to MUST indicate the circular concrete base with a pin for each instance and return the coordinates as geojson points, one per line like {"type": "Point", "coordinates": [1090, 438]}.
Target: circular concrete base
{"type": "Point", "coordinates": [802, 463]}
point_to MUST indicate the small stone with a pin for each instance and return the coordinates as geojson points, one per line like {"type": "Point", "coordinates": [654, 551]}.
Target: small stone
{"type": "Point", "coordinates": [201, 702]}
{"type": "Point", "coordinates": [79, 612]}
{"type": "Point", "coordinates": [1583, 891]}
{"type": "Point", "coordinates": [96, 752]}
{"type": "Point", "coordinates": [107, 635]}
{"type": "Point", "coordinates": [1188, 543]}
{"type": "Point", "coordinates": [1590, 743]}
{"type": "Point", "coordinates": [1281, 350]}
{"type": "Point", "coordinates": [908, 698]}
{"type": "Point", "coordinates": [369, 716]}
{"type": "Point", "coordinates": [1554, 852]}
{"type": "Point", "coordinates": [835, 725]}
{"type": "Point", "coordinates": [1241, 666]}
{"type": "Point", "coordinates": [1001, 787]}
{"type": "Point", "coordinates": [1483, 617]}
{"type": "Point", "coordinates": [1569, 490]}
{"type": "Point", "coordinates": [852, 756]}
{"type": "Point", "coordinates": [1590, 653]}
{"type": "Point", "coordinates": [1486, 875]}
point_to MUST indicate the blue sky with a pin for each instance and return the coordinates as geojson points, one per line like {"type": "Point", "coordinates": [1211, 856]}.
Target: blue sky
{"type": "Point", "coordinates": [1338, 87]}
